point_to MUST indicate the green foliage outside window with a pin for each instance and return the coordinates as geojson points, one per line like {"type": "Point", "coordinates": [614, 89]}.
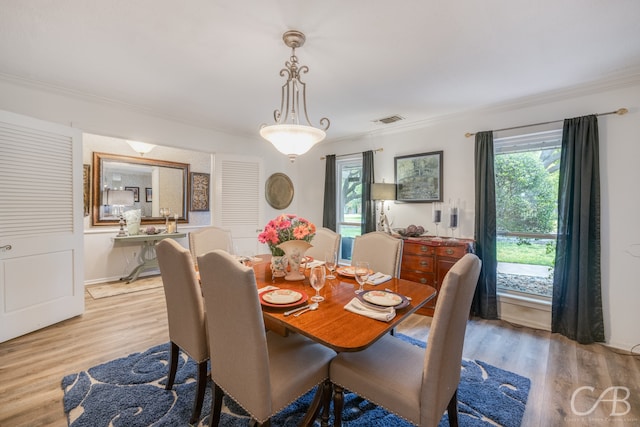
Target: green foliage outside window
{"type": "Point", "coordinates": [526, 193]}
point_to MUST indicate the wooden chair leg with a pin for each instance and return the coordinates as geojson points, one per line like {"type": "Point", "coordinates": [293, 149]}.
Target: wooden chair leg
{"type": "Point", "coordinates": [201, 388]}
{"type": "Point", "coordinates": [326, 403]}
{"type": "Point", "coordinates": [314, 407]}
{"type": "Point", "coordinates": [452, 410]}
{"type": "Point", "coordinates": [216, 405]}
{"type": "Point", "coordinates": [338, 403]}
{"type": "Point", "coordinates": [173, 365]}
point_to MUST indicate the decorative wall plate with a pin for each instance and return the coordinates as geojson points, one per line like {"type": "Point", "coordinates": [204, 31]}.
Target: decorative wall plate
{"type": "Point", "coordinates": [279, 191]}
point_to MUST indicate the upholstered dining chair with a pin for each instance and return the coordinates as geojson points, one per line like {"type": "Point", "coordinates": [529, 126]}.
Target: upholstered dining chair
{"type": "Point", "coordinates": [414, 383]}
{"type": "Point", "coordinates": [325, 240]}
{"type": "Point", "coordinates": [186, 315]}
{"type": "Point", "coordinates": [380, 250]}
{"type": "Point", "coordinates": [207, 239]}
{"type": "Point", "coordinates": [262, 371]}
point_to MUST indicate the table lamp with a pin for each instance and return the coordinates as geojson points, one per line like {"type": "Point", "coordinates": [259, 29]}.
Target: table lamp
{"type": "Point", "coordinates": [381, 192]}
{"type": "Point", "coordinates": [119, 199]}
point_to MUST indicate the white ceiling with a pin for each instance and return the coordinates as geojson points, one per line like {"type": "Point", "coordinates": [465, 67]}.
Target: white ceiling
{"type": "Point", "coordinates": [216, 63]}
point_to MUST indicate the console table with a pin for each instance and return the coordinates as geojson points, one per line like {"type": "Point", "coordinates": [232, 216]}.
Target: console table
{"type": "Point", "coordinates": [426, 260]}
{"type": "Point", "coordinates": [147, 258]}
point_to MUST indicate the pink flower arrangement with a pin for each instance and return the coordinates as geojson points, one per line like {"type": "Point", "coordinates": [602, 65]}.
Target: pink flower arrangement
{"type": "Point", "coordinates": [283, 228]}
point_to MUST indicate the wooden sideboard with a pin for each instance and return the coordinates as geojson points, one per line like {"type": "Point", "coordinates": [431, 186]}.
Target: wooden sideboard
{"type": "Point", "coordinates": [427, 261]}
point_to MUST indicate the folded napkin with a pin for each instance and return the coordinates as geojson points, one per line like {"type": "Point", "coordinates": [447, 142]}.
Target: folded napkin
{"type": "Point", "coordinates": [267, 288]}
{"type": "Point", "coordinates": [377, 278]}
{"type": "Point", "coordinates": [314, 263]}
{"type": "Point", "coordinates": [384, 314]}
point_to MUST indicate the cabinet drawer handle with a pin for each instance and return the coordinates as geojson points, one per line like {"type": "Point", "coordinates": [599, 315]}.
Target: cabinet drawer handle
{"type": "Point", "coordinates": [450, 251]}
{"type": "Point", "coordinates": [424, 248]}
{"type": "Point", "coordinates": [423, 281]}
{"type": "Point", "coordinates": [5, 248]}
{"type": "Point", "coordinates": [424, 263]}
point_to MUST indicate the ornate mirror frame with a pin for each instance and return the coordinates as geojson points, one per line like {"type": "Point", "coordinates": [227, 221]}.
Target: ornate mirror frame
{"type": "Point", "coordinates": [97, 179]}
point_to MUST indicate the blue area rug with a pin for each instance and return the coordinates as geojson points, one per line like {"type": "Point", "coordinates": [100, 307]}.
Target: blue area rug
{"type": "Point", "coordinates": [130, 392]}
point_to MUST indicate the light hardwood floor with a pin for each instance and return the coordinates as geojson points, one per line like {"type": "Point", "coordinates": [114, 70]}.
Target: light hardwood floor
{"type": "Point", "coordinates": [32, 366]}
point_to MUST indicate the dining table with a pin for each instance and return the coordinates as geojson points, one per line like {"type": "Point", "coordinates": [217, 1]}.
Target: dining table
{"type": "Point", "coordinates": [331, 324]}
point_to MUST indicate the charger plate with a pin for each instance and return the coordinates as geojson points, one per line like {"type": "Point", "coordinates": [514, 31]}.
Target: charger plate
{"type": "Point", "coordinates": [268, 299]}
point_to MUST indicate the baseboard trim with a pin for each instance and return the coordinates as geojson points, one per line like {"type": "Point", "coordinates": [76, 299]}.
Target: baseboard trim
{"type": "Point", "coordinates": [116, 278]}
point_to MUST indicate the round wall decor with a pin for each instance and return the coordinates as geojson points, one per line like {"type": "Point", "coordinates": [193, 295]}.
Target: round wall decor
{"type": "Point", "coordinates": [279, 191]}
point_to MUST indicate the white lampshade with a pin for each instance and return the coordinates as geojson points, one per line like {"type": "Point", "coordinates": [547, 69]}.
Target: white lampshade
{"type": "Point", "coordinates": [119, 197]}
{"type": "Point", "coordinates": [141, 147]}
{"type": "Point", "coordinates": [383, 191]}
{"type": "Point", "coordinates": [292, 140]}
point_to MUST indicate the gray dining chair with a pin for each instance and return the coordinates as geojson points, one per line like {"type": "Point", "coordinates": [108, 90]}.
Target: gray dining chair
{"type": "Point", "coordinates": [415, 383]}
{"type": "Point", "coordinates": [186, 315]}
{"type": "Point", "coordinates": [207, 239]}
{"type": "Point", "coordinates": [325, 240]}
{"type": "Point", "coordinates": [261, 371]}
{"type": "Point", "coordinates": [380, 250]}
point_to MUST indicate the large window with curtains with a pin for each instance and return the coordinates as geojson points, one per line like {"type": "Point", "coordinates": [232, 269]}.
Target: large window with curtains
{"type": "Point", "coordinates": [349, 203]}
{"type": "Point", "coordinates": [526, 173]}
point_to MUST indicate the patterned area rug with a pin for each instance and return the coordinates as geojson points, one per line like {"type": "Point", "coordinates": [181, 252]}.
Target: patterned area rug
{"type": "Point", "coordinates": [118, 288]}
{"type": "Point", "coordinates": [130, 392]}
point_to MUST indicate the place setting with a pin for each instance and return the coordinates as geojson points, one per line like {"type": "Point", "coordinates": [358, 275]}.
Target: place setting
{"type": "Point", "coordinates": [298, 301]}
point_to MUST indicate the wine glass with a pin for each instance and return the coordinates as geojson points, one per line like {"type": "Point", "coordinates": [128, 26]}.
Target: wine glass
{"type": "Point", "coordinates": [362, 274]}
{"type": "Point", "coordinates": [436, 208]}
{"type": "Point", "coordinates": [316, 278]}
{"type": "Point", "coordinates": [330, 260]}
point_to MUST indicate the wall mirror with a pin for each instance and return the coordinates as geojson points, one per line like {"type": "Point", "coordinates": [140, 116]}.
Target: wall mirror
{"type": "Point", "coordinates": [156, 185]}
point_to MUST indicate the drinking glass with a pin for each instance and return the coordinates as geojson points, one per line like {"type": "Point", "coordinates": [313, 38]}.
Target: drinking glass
{"type": "Point", "coordinates": [330, 260]}
{"type": "Point", "coordinates": [362, 274]}
{"type": "Point", "coordinates": [316, 278]}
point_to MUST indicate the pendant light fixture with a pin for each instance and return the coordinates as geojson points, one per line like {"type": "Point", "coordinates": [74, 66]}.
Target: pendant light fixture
{"type": "Point", "coordinates": [288, 134]}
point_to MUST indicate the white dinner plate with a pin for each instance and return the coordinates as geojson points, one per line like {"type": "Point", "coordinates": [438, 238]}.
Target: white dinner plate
{"type": "Point", "coordinates": [349, 271]}
{"type": "Point", "coordinates": [383, 298]}
{"type": "Point", "coordinates": [282, 296]}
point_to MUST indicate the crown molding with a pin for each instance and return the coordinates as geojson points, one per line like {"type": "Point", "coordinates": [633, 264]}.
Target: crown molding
{"type": "Point", "coordinates": [611, 83]}
{"type": "Point", "coordinates": [97, 99]}
{"type": "Point", "coordinates": [618, 81]}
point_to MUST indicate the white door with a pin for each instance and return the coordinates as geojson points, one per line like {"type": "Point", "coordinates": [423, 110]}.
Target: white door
{"type": "Point", "coordinates": [238, 196]}
{"type": "Point", "coordinates": [41, 255]}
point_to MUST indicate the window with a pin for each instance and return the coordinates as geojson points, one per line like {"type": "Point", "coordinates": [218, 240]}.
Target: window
{"type": "Point", "coordinates": [349, 204]}
{"type": "Point", "coordinates": [526, 168]}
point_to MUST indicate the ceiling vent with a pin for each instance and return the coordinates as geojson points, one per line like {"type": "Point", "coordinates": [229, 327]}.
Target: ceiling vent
{"type": "Point", "coordinates": [389, 120]}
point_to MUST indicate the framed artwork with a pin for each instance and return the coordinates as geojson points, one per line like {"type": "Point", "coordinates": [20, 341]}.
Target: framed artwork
{"type": "Point", "coordinates": [136, 193]}
{"type": "Point", "coordinates": [419, 177]}
{"type": "Point", "coordinates": [86, 188]}
{"type": "Point", "coordinates": [199, 200]}
{"type": "Point", "coordinates": [148, 195]}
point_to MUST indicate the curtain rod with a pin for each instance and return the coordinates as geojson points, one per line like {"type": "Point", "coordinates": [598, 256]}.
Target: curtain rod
{"type": "Point", "coordinates": [351, 154]}
{"type": "Point", "coordinates": [619, 111]}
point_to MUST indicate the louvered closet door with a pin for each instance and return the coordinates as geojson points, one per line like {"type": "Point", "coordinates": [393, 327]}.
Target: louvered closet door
{"type": "Point", "coordinates": [41, 274]}
{"type": "Point", "coordinates": [238, 199]}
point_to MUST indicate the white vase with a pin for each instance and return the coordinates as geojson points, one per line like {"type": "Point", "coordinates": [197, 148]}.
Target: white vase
{"type": "Point", "coordinates": [294, 251]}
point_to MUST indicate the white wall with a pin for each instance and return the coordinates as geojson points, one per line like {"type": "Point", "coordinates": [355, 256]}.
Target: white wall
{"type": "Point", "coordinates": [620, 173]}
{"type": "Point", "coordinates": [109, 124]}
{"type": "Point", "coordinates": [619, 154]}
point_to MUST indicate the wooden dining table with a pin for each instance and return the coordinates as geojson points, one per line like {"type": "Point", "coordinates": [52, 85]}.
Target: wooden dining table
{"type": "Point", "coordinates": [331, 324]}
